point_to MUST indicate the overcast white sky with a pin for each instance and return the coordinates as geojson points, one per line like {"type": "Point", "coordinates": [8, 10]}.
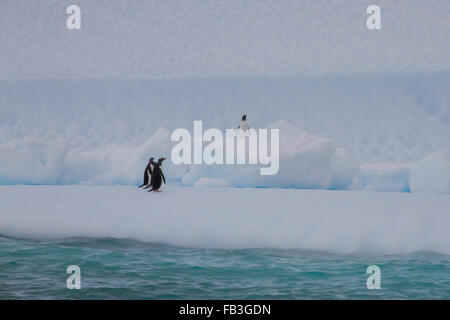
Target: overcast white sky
{"type": "Point", "coordinates": [168, 38]}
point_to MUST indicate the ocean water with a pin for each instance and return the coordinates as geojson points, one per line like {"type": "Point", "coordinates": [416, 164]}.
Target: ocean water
{"type": "Point", "coordinates": [128, 269]}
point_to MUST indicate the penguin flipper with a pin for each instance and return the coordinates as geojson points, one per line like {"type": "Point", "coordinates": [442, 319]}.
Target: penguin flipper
{"type": "Point", "coordinates": [164, 178]}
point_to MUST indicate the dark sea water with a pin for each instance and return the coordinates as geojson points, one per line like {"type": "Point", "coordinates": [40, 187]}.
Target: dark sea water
{"type": "Point", "coordinates": [127, 269]}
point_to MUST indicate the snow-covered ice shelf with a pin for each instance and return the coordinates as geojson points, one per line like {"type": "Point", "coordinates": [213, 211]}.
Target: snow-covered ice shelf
{"type": "Point", "coordinates": [335, 221]}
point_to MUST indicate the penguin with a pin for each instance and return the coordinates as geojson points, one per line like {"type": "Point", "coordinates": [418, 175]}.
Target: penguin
{"type": "Point", "coordinates": [157, 175]}
{"type": "Point", "coordinates": [151, 163]}
{"type": "Point", "coordinates": [243, 126]}
{"type": "Point", "coordinates": [148, 173]}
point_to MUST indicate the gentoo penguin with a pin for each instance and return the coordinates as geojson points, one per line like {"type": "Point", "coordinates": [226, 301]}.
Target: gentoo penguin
{"type": "Point", "coordinates": [157, 176]}
{"type": "Point", "coordinates": [243, 126]}
{"type": "Point", "coordinates": [151, 163]}
{"type": "Point", "coordinates": [148, 172]}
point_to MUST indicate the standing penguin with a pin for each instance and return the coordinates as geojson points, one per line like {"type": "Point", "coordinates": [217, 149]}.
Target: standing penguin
{"type": "Point", "coordinates": [157, 176]}
{"type": "Point", "coordinates": [243, 126]}
{"type": "Point", "coordinates": [148, 173]}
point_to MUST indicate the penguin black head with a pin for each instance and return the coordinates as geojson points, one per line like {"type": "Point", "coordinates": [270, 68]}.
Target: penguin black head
{"type": "Point", "coordinates": [160, 160]}
{"type": "Point", "coordinates": [151, 159]}
{"type": "Point", "coordinates": [244, 117]}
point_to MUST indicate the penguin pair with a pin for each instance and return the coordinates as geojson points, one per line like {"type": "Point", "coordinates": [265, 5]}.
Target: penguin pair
{"type": "Point", "coordinates": [153, 175]}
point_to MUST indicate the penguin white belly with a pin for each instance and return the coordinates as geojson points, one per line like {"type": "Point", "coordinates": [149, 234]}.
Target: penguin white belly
{"type": "Point", "coordinates": [243, 129]}
{"type": "Point", "coordinates": [149, 176]}
{"type": "Point", "coordinates": [244, 126]}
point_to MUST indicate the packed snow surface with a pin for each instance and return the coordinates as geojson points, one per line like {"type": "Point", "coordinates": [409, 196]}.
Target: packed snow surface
{"type": "Point", "coordinates": [334, 221]}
